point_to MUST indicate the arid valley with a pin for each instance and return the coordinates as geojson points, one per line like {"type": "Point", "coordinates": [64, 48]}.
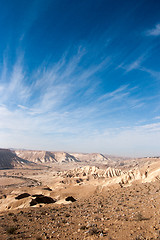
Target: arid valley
{"type": "Point", "coordinates": [59, 195]}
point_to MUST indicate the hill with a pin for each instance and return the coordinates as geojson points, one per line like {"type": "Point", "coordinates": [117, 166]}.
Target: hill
{"type": "Point", "coordinates": [9, 160]}
{"type": "Point", "coordinates": [42, 157]}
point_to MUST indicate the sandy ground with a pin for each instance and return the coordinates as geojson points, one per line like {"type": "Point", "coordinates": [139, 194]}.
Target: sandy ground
{"type": "Point", "coordinates": [104, 208]}
{"type": "Point", "coordinates": [8, 181]}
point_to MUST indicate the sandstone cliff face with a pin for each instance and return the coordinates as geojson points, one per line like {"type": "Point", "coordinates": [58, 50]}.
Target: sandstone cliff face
{"type": "Point", "coordinates": [65, 157]}
{"type": "Point", "coordinates": [45, 156]}
{"type": "Point", "coordinates": [60, 157]}
{"type": "Point", "coordinates": [36, 156]}
{"type": "Point", "coordinates": [9, 159]}
{"type": "Point", "coordinates": [91, 157]}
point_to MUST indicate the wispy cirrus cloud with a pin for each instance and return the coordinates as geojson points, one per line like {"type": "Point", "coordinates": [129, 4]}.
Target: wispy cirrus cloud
{"type": "Point", "coordinates": [49, 97]}
{"type": "Point", "coordinates": [154, 31]}
{"type": "Point", "coordinates": [153, 73]}
{"type": "Point", "coordinates": [60, 96]}
{"type": "Point", "coordinates": [136, 64]}
{"type": "Point", "coordinates": [118, 93]}
{"type": "Point", "coordinates": [13, 83]}
{"type": "Point", "coordinates": [59, 102]}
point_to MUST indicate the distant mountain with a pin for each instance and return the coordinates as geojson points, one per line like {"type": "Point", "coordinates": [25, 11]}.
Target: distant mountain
{"type": "Point", "coordinates": [65, 157]}
{"type": "Point", "coordinates": [9, 160]}
{"type": "Point", "coordinates": [91, 157]}
{"type": "Point", "coordinates": [45, 156]}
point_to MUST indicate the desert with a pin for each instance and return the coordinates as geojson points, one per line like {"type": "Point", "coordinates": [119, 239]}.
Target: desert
{"type": "Point", "coordinates": [59, 195]}
{"type": "Point", "coordinates": [80, 120]}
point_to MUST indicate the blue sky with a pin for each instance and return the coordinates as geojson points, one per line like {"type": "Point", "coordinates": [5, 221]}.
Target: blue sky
{"type": "Point", "coordinates": [80, 76]}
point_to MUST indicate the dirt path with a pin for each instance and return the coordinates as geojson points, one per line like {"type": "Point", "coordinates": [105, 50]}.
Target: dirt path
{"type": "Point", "coordinates": [25, 181]}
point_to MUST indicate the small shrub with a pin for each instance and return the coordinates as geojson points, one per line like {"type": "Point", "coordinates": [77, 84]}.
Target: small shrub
{"type": "Point", "coordinates": [67, 215]}
{"type": "Point", "coordinates": [83, 227]}
{"type": "Point", "coordinates": [10, 214]}
{"type": "Point", "coordinates": [139, 217]}
{"type": "Point", "coordinates": [93, 231]}
{"type": "Point", "coordinates": [11, 230]}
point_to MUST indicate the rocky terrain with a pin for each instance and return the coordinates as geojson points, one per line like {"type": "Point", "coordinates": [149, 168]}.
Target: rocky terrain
{"type": "Point", "coordinates": [57, 195]}
{"type": "Point", "coordinates": [114, 213]}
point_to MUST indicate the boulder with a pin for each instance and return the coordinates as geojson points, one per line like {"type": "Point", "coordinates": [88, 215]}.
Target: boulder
{"type": "Point", "coordinates": [23, 195]}
{"type": "Point", "coordinates": [42, 199]}
{"type": "Point", "coordinates": [70, 198]}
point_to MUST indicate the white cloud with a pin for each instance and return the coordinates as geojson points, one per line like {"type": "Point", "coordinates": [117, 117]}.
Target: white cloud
{"type": "Point", "coordinates": [1, 89]}
{"type": "Point", "coordinates": [118, 93]}
{"type": "Point", "coordinates": [137, 65]}
{"type": "Point", "coordinates": [153, 73]}
{"type": "Point", "coordinates": [134, 65]}
{"type": "Point", "coordinates": [157, 118]}
{"type": "Point", "coordinates": [14, 87]}
{"type": "Point", "coordinates": [22, 107]}
{"type": "Point", "coordinates": [154, 31]}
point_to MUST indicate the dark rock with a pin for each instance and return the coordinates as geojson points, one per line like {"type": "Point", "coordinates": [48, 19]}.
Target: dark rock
{"type": "Point", "coordinates": [70, 198]}
{"type": "Point", "coordinates": [37, 195]}
{"type": "Point", "coordinates": [33, 202]}
{"type": "Point", "coordinates": [47, 188]}
{"type": "Point", "coordinates": [67, 215]}
{"type": "Point", "coordinates": [3, 196]}
{"type": "Point", "coordinates": [79, 180]}
{"type": "Point", "coordinates": [23, 195]}
{"type": "Point", "coordinates": [42, 199]}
